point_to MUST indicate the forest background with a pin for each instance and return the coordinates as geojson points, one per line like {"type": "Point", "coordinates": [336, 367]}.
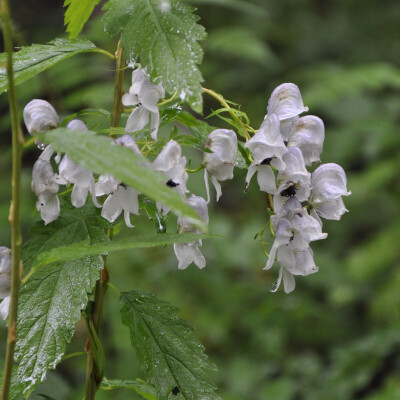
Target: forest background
{"type": "Point", "coordinates": [337, 336]}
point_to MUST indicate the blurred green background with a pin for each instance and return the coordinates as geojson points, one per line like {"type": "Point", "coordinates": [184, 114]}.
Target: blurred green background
{"type": "Point", "coordinates": [337, 336]}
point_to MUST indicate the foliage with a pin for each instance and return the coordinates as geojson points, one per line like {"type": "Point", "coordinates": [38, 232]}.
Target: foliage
{"type": "Point", "coordinates": [77, 14]}
{"type": "Point", "coordinates": [164, 36]}
{"type": "Point", "coordinates": [172, 360]}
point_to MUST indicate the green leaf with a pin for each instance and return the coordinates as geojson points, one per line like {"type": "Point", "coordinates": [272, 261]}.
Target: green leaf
{"type": "Point", "coordinates": [165, 40]}
{"type": "Point", "coordinates": [139, 386]}
{"type": "Point", "coordinates": [44, 396]}
{"type": "Point", "coordinates": [31, 60]}
{"type": "Point", "coordinates": [100, 155]}
{"type": "Point", "coordinates": [77, 14]}
{"type": "Point", "coordinates": [85, 248]}
{"type": "Point", "coordinates": [50, 304]}
{"type": "Point", "coordinates": [172, 359]}
{"type": "Point", "coordinates": [157, 217]}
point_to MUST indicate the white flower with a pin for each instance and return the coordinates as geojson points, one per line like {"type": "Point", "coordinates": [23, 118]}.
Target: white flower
{"type": "Point", "coordinates": [267, 148]}
{"type": "Point", "coordinates": [186, 253]}
{"type": "Point", "coordinates": [220, 163]}
{"type": "Point", "coordinates": [294, 230]}
{"type": "Point", "coordinates": [148, 94]}
{"type": "Point", "coordinates": [121, 198]}
{"type": "Point", "coordinates": [39, 117]}
{"type": "Point", "coordinates": [328, 185]}
{"type": "Point", "coordinates": [294, 180]}
{"type": "Point", "coordinates": [287, 103]}
{"type": "Point", "coordinates": [172, 165]}
{"type": "Point", "coordinates": [5, 280]}
{"type": "Point", "coordinates": [308, 134]}
{"type": "Point", "coordinates": [80, 177]}
{"type": "Point", "coordinates": [44, 185]}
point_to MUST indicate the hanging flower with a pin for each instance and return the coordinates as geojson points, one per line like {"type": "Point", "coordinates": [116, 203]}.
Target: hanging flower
{"type": "Point", "coordinates": [172, 165]}
{"type": "Point", "coordinates": [308, 134]}
{"type": "Point", "coordinates": [45, 186]}
{"type": "Point", "coordinates": [286, 102]}
{"type": "Point", "coordinates": [147, 94]}
{"type": "Point", "coordinates": [267, 148]}
{"type": "Point", "coordinates": [220, 163]}
{"type": "Point", "coordinates": [80, 177]}
{"type": "Point", "coordinates": [294, 180]}
{"type": "Point", "coordinates": [188, 253]}
{"type": "Point", "coordinates": [294, 230]}
{"type": "Point", "coordinates": [5, 281]}
{"type": "Point", "coordinates": [328, 185]}
{"type": "Point", "coordinates": [39, 117]}
{"type": "Point", "coordinates": [121, 198]}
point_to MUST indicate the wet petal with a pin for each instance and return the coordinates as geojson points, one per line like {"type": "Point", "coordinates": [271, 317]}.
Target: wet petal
{"type": "Point", "coordinates": [169, 156]}
{"type": "Point", "coordinates": [149, 95]}
{"type": "Point", "coordinates": [304, 262]}
{"type": "Point", "coordinates": [5, 260]}
{"type": "Point", "coordinates": [79, 195]}
{"type": "Point", "coordinates": [250, 172]}
{"type": "Point", "coordinates": [130, 99]}
{"type": "Point", "coordinates": [154, 124]}
{"type": "Point", "coordinates": [288, 281]}
{"type": "Point", "coordinates": [5, 285]}
{"type": "Point", "coordinates": [77, 125]}
{"type": "Point", "coordinates": [112, 207]}
{"type": "Point", "coordinates": [40, 116]}
{"type": "Point", "coordinates": [5, 307]}
{"type": "Point", "coordinates": [129, 142]}
{"type": "Point", "coordinates": [138, 119]}
{"type": "Point", "coordinates": [106, 184]}
{"type": "Point", "coordinates": [330, 208]}
{"type": "Point", "coordinates": [308, 226]}
{"type": "Point", "coordinates": [43, 178]}
{"type": "Point", "coordinates": [49, 206]}
{"type": "Point", "coordinates": [217, 187]}
{"type": "Point", "coordinates": [286, 257]}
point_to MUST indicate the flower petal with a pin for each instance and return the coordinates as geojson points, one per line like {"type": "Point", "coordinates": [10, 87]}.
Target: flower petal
{"type": "Point", "coordinates": [266, 179]}
{"type": "Point", "coordinates": [330, 208]}
{"type": "Point", "coordinates": [49, 206]}
{"type": "Point", "coordinates": [288, 281]}
{"type": "Point", "coordinates": [138, 119]}
{"type": "Point", "coordinates": [217, 187]}
{"type": "Point", "coordinates": [286, 101]}
{"type": "Point", "coordinates": [308, 135]}
{"type": "Point", "coordinates": [5, 307]}
{"type": "Point", "coordinates": [40, 116]}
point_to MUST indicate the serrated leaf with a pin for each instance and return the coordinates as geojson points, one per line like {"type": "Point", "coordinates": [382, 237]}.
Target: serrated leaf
{"type": "Point", "coordinates": [172, 359]}
{"type": "Point", "coordinates": [164, 35]}
{"type": "Point", "coordinates": [158, 218]}
{"type": "Point", "coordinates": [77, 14]}
{"type": "Point", "coordinates": [31, 60]}
{"type": "Point", "coordinates": [50, 303]}
{"type": "Point", "coordinates": [139, 386]}
{"type": "Point", "coordinates": [100, 155]}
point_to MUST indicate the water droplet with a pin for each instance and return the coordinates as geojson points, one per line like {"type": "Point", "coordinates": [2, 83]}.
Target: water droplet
{"type": "Point", "coordinates": [274, 287]}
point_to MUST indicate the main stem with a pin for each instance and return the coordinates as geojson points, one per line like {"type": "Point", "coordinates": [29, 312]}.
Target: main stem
{"type": "Point", "coordinates": [14, 216]}
{"type": "Point", "coordinates": [93, 376]}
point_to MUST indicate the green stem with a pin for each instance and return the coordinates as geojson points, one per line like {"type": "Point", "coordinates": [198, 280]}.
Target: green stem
{"type": "Point", "coordinates": [230, 111]}
{"type": "Point", "coordinates": [93, 375]}
{"type": "Point", "coordinates": [14, 216]}
{"type": "Point", "coordinates": [105, 52]}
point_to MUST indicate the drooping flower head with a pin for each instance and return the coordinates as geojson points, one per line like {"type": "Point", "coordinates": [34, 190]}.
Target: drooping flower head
{"type": "Point", "coordinates": [328, 185]}
{"type": "Point", "coordinates": [267, 148]}
{"type": "Point", "coordinates": [147, 94]}
{"type": "Point", "coordinates": [221, 162]}
{"type": "Point", "coordinates": [187, 253]}
{"type": "Point", "coordinates": [286, 102]}
{"type": "Point", "coordinates": [308, 134]}
{"type": "Point", "coordinates": [121, 198]}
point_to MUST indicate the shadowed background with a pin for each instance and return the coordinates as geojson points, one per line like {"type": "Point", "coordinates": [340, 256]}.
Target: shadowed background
{"type": "Point", "coordinates": [337, 336]}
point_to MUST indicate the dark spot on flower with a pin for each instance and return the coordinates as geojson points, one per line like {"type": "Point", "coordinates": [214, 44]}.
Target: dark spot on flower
{"type": "Point", "coordinates": [172, 184]}
{"type": "Point", "coordinates": [266, 161]}
{"type": "Point", "coordinates": [289, 192]}
{"type": "Point", "coordinates": [175, 391]}
{"type": "Point", "coordinates": [123, 185]}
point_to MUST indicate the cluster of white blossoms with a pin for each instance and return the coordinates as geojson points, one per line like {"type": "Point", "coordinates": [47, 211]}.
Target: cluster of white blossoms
{"type": "Point", "coordinates": [50, 170]}
{"type": "Point", "coordinates": [281, 149]}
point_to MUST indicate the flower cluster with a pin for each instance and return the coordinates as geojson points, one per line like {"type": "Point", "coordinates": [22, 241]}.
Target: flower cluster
{"type": "Point", "coordinates": [50, 170]}
{"type": "Point", "coordinates": [281, 149]}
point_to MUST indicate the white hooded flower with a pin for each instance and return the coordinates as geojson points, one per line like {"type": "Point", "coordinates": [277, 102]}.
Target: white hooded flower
{"type": "Point", "coordinates": [287, 103]}
{"type": "Point", "coordinates": [308, 134]}
{"type": "Point", "coordinates": [220, 163]}
{"type": "Point", "coordinates": [121, 198]}
{"type": "Point", "coordinates": [294, 230]}
{"type": "Point", "coordinates": [328, 185]}
{"type": "Point", "coordinates": [172, 165]}
{"type": "Point", "coordinates": [80, 177]}
{"type": "Point", "coordinates": [5, 280]}
{"type": "Point", "coordinates": [294, 180]}
{"type": "Point", "coordinates": [39, 117]}
{"type": "Point", "coordinates": [267, 148]}
{"type": "Point", "coordinates": [45, 186]}
{"type": "Point", "coordinates": [147, 94]}
{"type": "Point", "coordinates": [186, 253]}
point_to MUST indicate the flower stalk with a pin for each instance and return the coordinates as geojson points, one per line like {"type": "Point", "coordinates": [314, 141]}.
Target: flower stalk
{"type": "Point", "coordinates": [14, 216]}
